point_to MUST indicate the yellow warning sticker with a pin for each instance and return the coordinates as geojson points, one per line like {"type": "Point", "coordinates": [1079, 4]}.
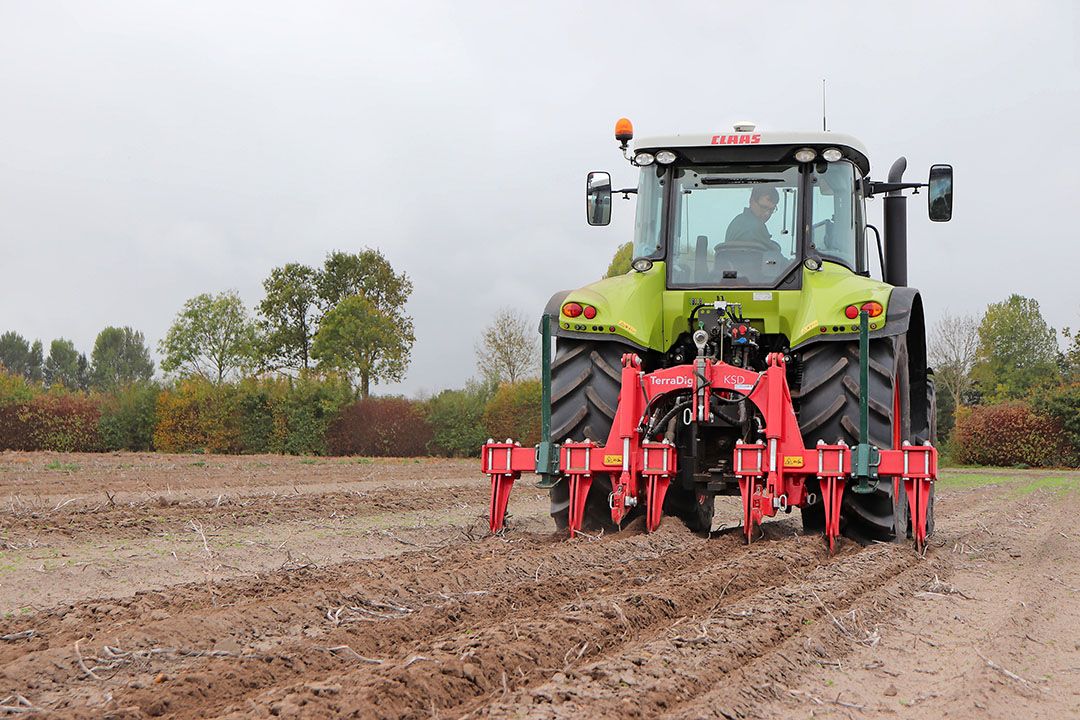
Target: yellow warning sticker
{"type": "Point", "coordinates": [793, 461]}
{"type": "Point", "coordinates": [613, 459]}
{"type": "Point", "coordinates": [809, 326]}
{"type": "Point", "coordinates": [627, 327]}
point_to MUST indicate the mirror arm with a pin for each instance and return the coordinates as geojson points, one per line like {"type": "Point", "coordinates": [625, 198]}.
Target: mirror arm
{"type": "Point", "coordinates": [626, 192]}
{"type": "Point", "coordinates": [876, 188]}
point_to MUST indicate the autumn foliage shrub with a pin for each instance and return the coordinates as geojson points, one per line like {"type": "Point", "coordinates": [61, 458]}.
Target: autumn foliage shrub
{"type": "Point", "coordinates": [62, 422]}
{"type": "Point", "coordinates": [14, 431]}
{"type": "Point", "coordinates": [1009, 434]}
{"type": "Point", "coordinates": [198, 416]}
{"type": "Point", "coordinates": [380, 426]}
{"type": "Point", "coordinates": [514, 412]}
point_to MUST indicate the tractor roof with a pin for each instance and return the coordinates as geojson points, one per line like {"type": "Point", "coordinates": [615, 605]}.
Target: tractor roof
{"type": "Point", "coordinates": [750, 145]}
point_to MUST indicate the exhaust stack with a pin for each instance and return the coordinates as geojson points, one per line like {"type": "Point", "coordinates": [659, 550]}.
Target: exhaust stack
{"type": "Point", "coordinates": [895, 270]}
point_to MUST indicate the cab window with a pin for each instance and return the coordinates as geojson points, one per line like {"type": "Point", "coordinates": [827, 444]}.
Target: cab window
{"type": "Point", "coordinates": [835, 215]}
{"type": "Point", "coordinates": [734, 226]}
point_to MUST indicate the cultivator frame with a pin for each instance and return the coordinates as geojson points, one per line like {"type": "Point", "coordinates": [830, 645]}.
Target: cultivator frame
{"type": "Point", "coordinates": [772, 472]}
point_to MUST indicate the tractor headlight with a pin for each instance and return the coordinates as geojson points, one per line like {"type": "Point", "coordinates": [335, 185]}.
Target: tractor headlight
{"type": "Point", "coordinates": [832, 154]}
{"type": "Point", "coordinates": [644, 159]}
{"type": "Point", "coordinates": [806, 155]}
{"type": "Point", "coordinates": [665, 157]}
{"type": "Point", "coordinates": [642, 264]}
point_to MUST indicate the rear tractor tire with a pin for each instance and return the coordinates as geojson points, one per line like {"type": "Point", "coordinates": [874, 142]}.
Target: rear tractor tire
{"type": "Point", "coordinates": [585, 381]}
{"type": "Point", "coordinates": [828, 400]}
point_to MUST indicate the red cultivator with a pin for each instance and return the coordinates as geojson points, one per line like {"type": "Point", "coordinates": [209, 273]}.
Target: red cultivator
{"type": "Point", "coordinates": [772, 471]}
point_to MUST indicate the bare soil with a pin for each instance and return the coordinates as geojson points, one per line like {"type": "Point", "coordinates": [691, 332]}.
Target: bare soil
{"type": "Point", "coordinates": [143, 585]}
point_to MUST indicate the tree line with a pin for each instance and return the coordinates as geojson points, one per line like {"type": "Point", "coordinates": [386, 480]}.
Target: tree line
{"type": "Point", "coordinates": [1007, 392]}
{"type": "Point", "coordinates": [293, 376]}
{"type": "Point", "coordinates": [119, 357]}
{"type": "Point", "coordinates": [347, 316]}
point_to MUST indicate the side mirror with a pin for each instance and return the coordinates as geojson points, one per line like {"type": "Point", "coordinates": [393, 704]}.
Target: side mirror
{"type": "Point", "coordinates": [939, 197]}
{"type": "Point", "coordinates": [598, 198]}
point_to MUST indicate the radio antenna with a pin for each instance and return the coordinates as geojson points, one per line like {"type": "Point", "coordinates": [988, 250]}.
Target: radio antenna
{"type": "Point", "coordinates": [824, 124]}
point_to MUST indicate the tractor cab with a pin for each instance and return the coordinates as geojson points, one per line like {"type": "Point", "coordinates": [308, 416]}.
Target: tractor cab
{"type": "Point", "coordinates": [746, 209]}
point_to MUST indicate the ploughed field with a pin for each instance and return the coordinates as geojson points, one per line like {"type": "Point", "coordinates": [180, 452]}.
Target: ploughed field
{"type": "Point", "coordinates": [143, 585]}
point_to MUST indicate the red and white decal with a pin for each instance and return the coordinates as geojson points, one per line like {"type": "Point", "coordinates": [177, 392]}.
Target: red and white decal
{"type": "Point", "coordinates": [676, 381]}
{"type": "Point", "coordinates": [740, 139]}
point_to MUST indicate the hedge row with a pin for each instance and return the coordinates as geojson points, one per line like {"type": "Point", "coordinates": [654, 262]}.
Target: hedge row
{"type": "Point", "coordinates": [306, 416]}
{"type": "Point", "coordinates": [316, 416]}
{"type": "Point", "coordinates": [1011, 434]}
{"type": "Point", "coordinates": [254, 416]}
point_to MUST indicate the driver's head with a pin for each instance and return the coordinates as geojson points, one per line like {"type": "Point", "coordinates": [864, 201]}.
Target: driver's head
{"type": "Point", "coordinates": [763, 201]}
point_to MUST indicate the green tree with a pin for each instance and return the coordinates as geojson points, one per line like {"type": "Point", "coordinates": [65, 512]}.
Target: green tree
{"type": "Point", "coordinates": [212, 337]}
{"type": "Point", "coordinates": [1071, 357]}
{"type": "Point", "coordinates": [35, 370]}
{"type": "Point", "coordinates": [366, 273]}
{"type": "Point", "coordinates": [120, 357]}
{"type": "Point", "coordinates": [287, 316]}
{"type": "Point", "coordinates": [19, 357]}
{"type": "Point", "coordinates": [357, 338]}
{"type": "Point", "coordinates": [1018, 351]}
{"type": "Point", "coordinates": [509, 348]}
{"type": "Point", "coordinates": [620, 263]}
{"type": "Point", "coordinates": [65, 366]}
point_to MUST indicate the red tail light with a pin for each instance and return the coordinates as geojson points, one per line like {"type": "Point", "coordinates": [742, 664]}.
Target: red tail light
{"type": "Point", "coordinates": [590, 312]}
{"type": "Point", "coordinates": [571, 309]}
{"type": "Point", "coordinates": [873, 309]}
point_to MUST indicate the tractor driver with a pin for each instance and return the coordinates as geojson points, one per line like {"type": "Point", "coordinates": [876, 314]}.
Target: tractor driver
{"type": "Point", "coordinates": [747, 242]}
{"type": "Point", "coordinates": [748, 227]}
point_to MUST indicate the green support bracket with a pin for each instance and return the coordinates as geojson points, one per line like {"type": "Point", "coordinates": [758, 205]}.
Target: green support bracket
{"type": "Point", "coordinates": [547, 452]}
{"type": "Point", "coordinates": [867, 457]}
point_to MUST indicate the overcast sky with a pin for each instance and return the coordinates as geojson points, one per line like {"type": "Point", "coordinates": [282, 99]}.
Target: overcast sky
{"type": "Point", "coordinates": [152, 151]}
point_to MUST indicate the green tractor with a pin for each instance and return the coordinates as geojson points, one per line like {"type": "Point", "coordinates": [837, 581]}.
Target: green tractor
{"type": "Point", "coordinates": [749, 245]}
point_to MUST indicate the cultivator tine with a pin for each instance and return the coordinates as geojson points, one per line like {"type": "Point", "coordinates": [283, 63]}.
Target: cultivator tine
{"type": "Point", "coordinates": [918, 492]}
{"type": "Point", "coordinates": [749, 467]}
{"type": "Point", "coordinates": [918, 480]}
{"type": "Point", "coordinates": [658, 464]}
{"type": "Point", "coordinates": [576, 462]}
{"type": "Point", "coordinates": [503, 463]}
{"type": "Point", "coordinates": [654, 501]}
{"type": "Point", "coordinates": [579, 492]}
{"type": "Point", "coordinates": [500, 496]}
{"type": "Point", "coordinates": [832, 496]}
{"type": "Point", "coordinates": [746, 491]}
